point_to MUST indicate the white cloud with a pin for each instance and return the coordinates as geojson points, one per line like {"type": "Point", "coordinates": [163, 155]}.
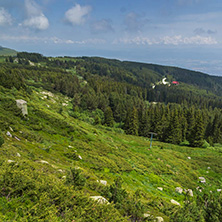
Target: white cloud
{"type": "Point", "coordinates": [19, 38]}
{"type": "Point", "coordinates": [193, 40]}
{"type": "Point", "coordinates": [168, 40]}
{"type": "Point", "coordinates": [36, 19]}
{"type": "Point", "coordinates": [76, 15]}
{"type": "Point", "coordinates": [5, 17]}
{"type": "Point", "coordinates": [38, 22]}
{"type": "Point", "coordinates": [55, 40]}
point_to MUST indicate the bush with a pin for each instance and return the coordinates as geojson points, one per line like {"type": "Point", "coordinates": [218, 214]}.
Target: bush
{"type": "Point", "coordinates": [185, 143]}
{"type": "Point", "coordinates": [1, 140]}
{"type": "Point", "coordinates": [72, 155]}
{"type": "Point", "coordinates": [206, 144]}
{"type": "Point", "coordinates": [75, 178]}
{"type": "Point", "coordinates": [28, 194]}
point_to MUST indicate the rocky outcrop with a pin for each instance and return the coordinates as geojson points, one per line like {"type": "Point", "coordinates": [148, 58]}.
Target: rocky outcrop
{"type": "Point", "coordinates": [100, 199]}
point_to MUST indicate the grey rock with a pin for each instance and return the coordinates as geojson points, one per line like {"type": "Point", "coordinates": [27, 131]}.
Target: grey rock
{"type": "Point", "coordinates": [100, 199]}
{"type": "Point", "coordinates": [159, 219]}
{"type": "Point", "coordinates": [202, 179]}
{"type": "Point", "coordinates": [174, 202]}
{"type": "Point", "coordinates": [9, 134]}
{"type": "Point", "coordinates": [179, 190]}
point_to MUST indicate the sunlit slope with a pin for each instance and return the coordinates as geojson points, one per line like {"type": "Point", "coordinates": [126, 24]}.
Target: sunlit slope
{"type": "Point", "coordinates": [50, 141]}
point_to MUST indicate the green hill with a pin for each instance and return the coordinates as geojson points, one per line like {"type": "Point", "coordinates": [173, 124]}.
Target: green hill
{"type": "Point", "coordinates": [7, 52]}
{"type": "Point", "coordinates": [69, 146]}
{"type": "Point", "coordinates": [46, 144]}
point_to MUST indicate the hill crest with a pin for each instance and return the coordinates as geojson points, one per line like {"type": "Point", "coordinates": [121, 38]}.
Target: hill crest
{"type": "Point", "coordinates": [7, 51]}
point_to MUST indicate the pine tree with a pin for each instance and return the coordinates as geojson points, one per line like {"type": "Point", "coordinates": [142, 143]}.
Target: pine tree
{"type": "Point", "coordinates": [216, 129]}
{"type": "Point", "coordinates": [132, 123]}
{"type": "Point", "coordinates": [184, 126]}
{"type": "Point", "coordinates": [143, 122]}
{"type": "Point", "coordinates": [11, 59]}
{"type": "Point", "coordinates": [190, 123]}
{"type": "Point", "coordinates": [108, 117]}
{"type": "Point", "coordinates": [161, 129]}
{"type": "Point", "coordinates": [174, 132]}
{"type": "Point", "coordinates": [197, 134]}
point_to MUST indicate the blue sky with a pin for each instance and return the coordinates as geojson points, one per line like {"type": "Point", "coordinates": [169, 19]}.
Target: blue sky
{"type": "Point", "coordinates": [183, 33]}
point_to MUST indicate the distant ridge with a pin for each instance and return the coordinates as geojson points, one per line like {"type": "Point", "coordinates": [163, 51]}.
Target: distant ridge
{"type": "Point", "coordinates": [7, 52]}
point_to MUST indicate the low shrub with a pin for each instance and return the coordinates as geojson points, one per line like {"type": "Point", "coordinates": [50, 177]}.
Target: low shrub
{"type": "Point", "coordinates": [1, 140]}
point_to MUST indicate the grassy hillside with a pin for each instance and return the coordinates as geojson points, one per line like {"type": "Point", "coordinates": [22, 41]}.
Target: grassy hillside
{"type": "Point", "coordinates": [7, 52]}
{"type": "Point", "coordinates": [36, 161]}
{"type": "Point", "coordinates": [72, 144]}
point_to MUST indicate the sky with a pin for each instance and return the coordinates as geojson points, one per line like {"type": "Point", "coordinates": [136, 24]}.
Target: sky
{"type": "Point", "coordinates": [181, 33]}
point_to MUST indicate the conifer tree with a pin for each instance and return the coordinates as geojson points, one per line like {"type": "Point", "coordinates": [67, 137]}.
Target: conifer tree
{"type": "Point", "coordinates": [184, 126]}
{"type": "Point", "coordinates": [197, 134]}
{"type": "Point", "coordinates": [161, 129]}
{"type": "Point", "coordinates": [108, 117]}
{"type": "Point", "coordinates": [174, 133]}
{"type": "Point", "coordinates": [143, 118]}
{"type": "Point", "coordinates": [132, 123]}
{"type": "Point", "coordinates": [216, 129]}
{"type": "Point", "coordinates": [190, 123]}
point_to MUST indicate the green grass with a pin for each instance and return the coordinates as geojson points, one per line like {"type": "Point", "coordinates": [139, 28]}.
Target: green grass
{"type": "Point", "coordinates": [50, 135]}
{"type": "Point", "coordinates": [7, 52]}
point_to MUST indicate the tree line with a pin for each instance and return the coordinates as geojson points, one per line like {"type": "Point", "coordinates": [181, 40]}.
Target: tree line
{"type": "Point", "coordinates": [178, 114]}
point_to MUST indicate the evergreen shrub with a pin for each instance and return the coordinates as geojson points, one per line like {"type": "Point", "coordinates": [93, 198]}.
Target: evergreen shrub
{"type": "Point", "coordinates": [1, 141]}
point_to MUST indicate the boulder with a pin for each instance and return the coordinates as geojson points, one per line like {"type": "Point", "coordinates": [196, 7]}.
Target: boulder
{"type": "Point", "coordinates": [100, 199]}
{"type": "Point", "coordinates": [43, 161]}
{"type": "Point", "coordinates": [202, 179]}
{"type": "Point", "coordinates": [80, 157]}
{"type": "Point", "coordinates": [175, 202]}
{"type": "Point", "coordinates": [104, 182]}
{"type": "Point", "coordinates": [9, 134]}
{"type": "Point", "coordinates": [159, 219]}
{"type": "Point", "coordinates": [146, 215]}
{"type": "Point", "coordinates": [189, 192]}
{"type": "Point", "coordinates": [179, 190]}
{"type": "Point", "coordinates": [17, 138]}
{"type": "Point", "coordinates": [22, 104]}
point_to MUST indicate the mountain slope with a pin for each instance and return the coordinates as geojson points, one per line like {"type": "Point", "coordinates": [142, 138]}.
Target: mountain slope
{"type": "Point", "coordinates": [72, 144]}
{"type": "Point", "coordinates": [7, 52]}
{"type": "Point", "coordinates": [46, 144]}
{"type": "Point", "coordinates": [157, 72]}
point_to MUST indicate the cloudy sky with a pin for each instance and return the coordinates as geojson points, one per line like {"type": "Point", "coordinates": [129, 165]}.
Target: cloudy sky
{"type": "Point", "coordinates": [183, 33]}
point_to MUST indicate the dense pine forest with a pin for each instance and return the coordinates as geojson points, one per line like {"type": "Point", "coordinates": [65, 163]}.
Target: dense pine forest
{"type": "Point", "coordinates": [120, 94]}
{"type": "Point", "coordinates": [87, 135]}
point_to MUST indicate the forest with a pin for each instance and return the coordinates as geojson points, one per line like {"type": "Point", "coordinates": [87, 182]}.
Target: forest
{"type": "Point", "coordinates": [119, 94]}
